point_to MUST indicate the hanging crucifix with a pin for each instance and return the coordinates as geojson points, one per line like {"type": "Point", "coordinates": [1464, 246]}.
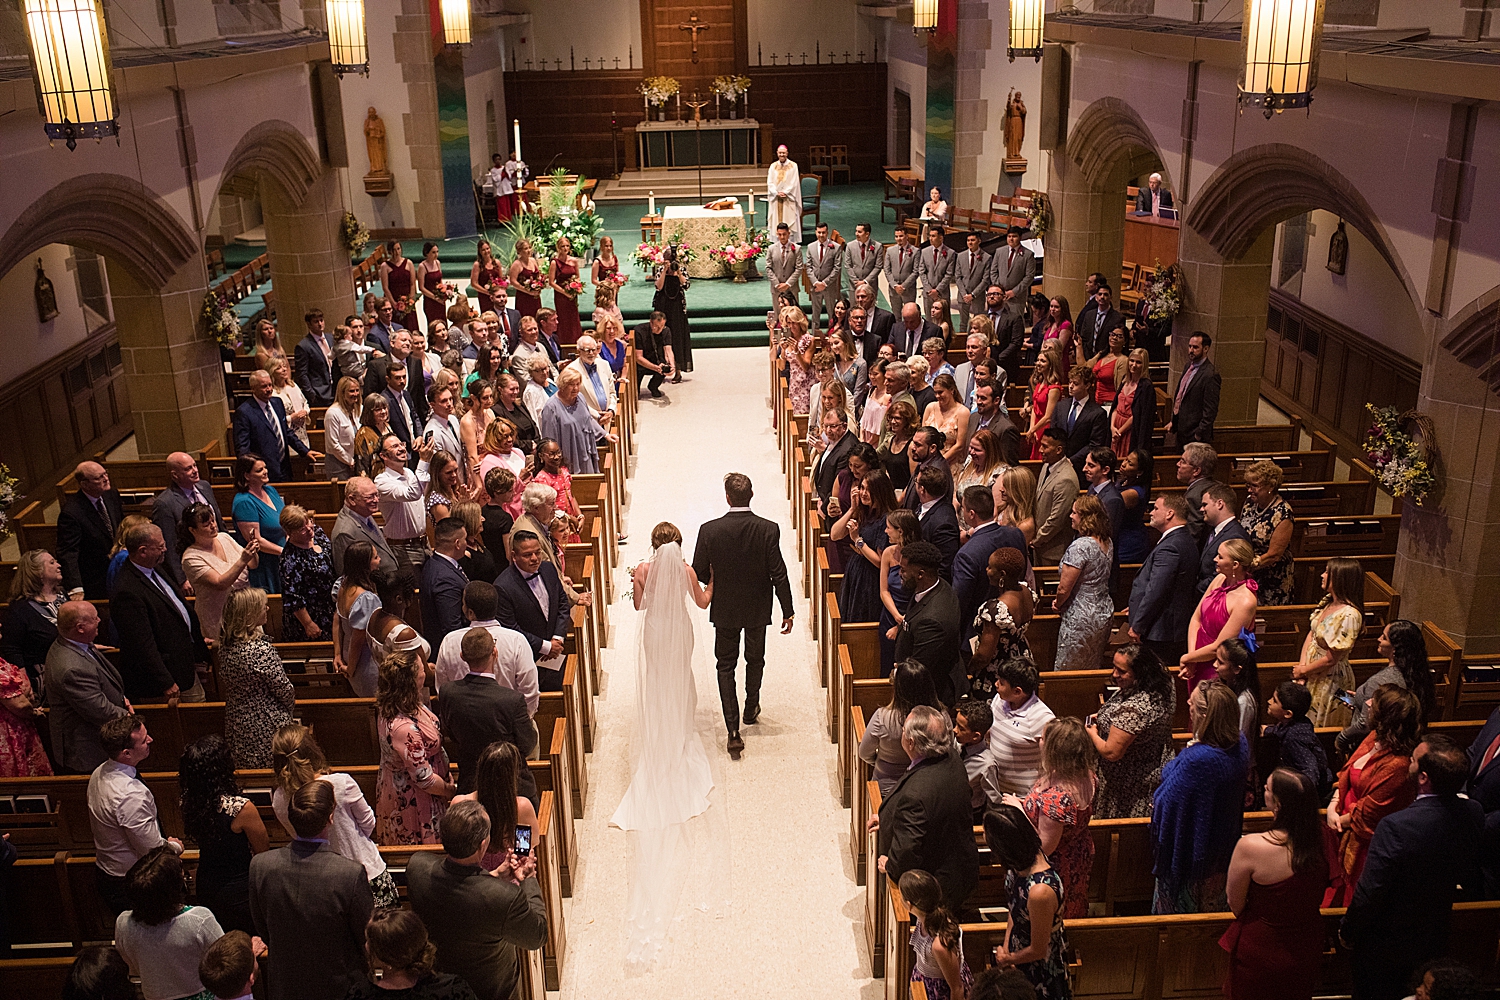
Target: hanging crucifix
{"type": "Point", "coordinates": [694, 25]}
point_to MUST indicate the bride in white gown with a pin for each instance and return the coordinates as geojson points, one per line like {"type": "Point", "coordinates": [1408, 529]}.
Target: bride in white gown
{"type": "Point", "coordinates": [671, 780]}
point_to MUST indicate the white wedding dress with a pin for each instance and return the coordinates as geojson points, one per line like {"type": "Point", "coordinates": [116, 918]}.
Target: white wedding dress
{"type": "Point", "coordinates": [671, 780]}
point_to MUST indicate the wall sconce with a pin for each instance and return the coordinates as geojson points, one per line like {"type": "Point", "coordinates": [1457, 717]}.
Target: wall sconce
{"type": "Point", "coordinates": [1281, 41]}
{"type": "Point", "coordinates": [70, 57]}
{"type": "Point", "coordinates": [924, 16]}
{"type": "Point", "coordinates": [456, 29]}
{"type": "Point", "coordinates": [1025, 29]}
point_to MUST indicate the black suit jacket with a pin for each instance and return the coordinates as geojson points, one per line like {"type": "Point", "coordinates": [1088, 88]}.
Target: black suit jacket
{"type": "Point", "coordinates": [1114, 506]}
{"type": "Point", "coordinates": [157, 649]}
{"type": "Point", "coordinates": [1484, 788]}
{"type": "Point", "coordinates": [27, 636]}
{"type": "Point", "coordinates": [1009, 340]}
{"type": "Point", "coordinates": [312, 372]}
{"type": "Point", "coordinates": [398, 421]}
{"type": "Point", "coordinates": [1162, 598]}
{"type": "Point", "coordinates": [831, 463]}
{"type": "Point", "coordinates": [926, 824]}
{"type": "Point", "coordinates": [375, 382]}
{"type": "Point", "coordinates": [519, 610]}
{"type": "Point", "coordinates": [1092, 336]}
{"type": "Point", "coordinates": [971, 582]}
{"type": "Point", "coordinates": [442, 599]}
{"type": "Point", "coordinates": [84, 541]}
{"type": "Point", "coordinates": [1143, 200]}
{"type": "Point", "coordinates": [1143, 415]}
{"type": "Point", "coordinates": [879, 322]}
{"type": "Point", "coordinates": [475, 711]}
{"type": "Point", "coordinates": [909, 499]}
{"type": "Point", "coordinates": [253, 433]}
{"type": "Point", "coordinates": [899, 339]}
{"type": "Point", "coordinates": [1200, 406]}
{"type": "Point", "coordinates": [1206, 572]}
{"type": "Point", "coordinates": [940, 527]}
{"type": "Point", "coordinates": [1090, 430]}
{"type": "Point", "coordinates": [931, 635]}
{"type": "Point", "coordinates": [741, 551]}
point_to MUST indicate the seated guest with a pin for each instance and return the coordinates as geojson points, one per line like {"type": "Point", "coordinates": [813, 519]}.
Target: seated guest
{"type": "Point", "coordinates": [401, 957]}
{"type": "Point", "coordinates": [972, 721]}
{"type": "Point", "coordinates": [565, 418]}
{"type": "Point", "coordinates": [1016, 734]}
{"type": "Point", "coordinates": [299, 760]}
{"type": "Point", "coordinates": [258, 695]}
{"type": "Point", "coordinates": [1219, 525]}
{"type": "Point", "coordinates": [1275, 887]}
{"type": "Point", "coordinates": [1198, 810]}
{"type": "Point", "coordinates": [84, 690]}
{"type": "Point", "coordinates": [306, 578]}
{"type": "Point", "coordinates": [161, 644]}
{"type": "Point", "coordinates": [1267, 520]}
{"type": "Point", "coordinates": [443, 582]}
{"type": "Point", "coordinates": [532, 601]}
{"type": "Point", "coordinates": [30, 625]}
{"type": "Point", "coordinates": [477, 922]}
{"type": "Point", "coordinates": [931, 632]}
{"type": "Point", "coordinates": [1297, 745]}
{"type": "Point", "coordinates": [1133, 733]}
{"type": "Point", "coordinates": [213, 563]}
{"type": "Point", "coordinates": [99, 973]}
{"type": "Point", "coordinates": [882, 747]}
{"type": "Point", "coordinates": [475, 711]}
{"type": "Point", "coordinates": [231, 965]}
{"type": "Point", "coordinates": [413, 787]}
{"type": "Point", "coordinates": [310, 905]}
{"type": "Point", "coordinates": [261, 428]}
{"type": "Point", "coordinates": [122, 810]}
{"type": "Point", "coordinates": [1000, 623]}
{"type": "Point", "coordinates": [514, 666]}
{"type": "Point", "coordinates": [936, 939]}
{"type": "Point", "coordinates": [1060, 805]}
{"type": "Point", "coordinates": [161, 937]}
{"type": "Point", "coordinates": [1226, 610]}
{"type": "Point", "coordinates": [497, 788]}
{"type": "Point", "coordinates": [1034, 939]}
{"type": "Point", "coordinates": [1083, 597]}
{"type": "Point", "coordinates": [1153, 199]}
{"type": "Point", "coordinates": [926, 823]}
{"type": "Point", "coordinates": [257, 515]}
{"type": "Point", "coordinates": [1407, 666]}
{"type": "Point", "coordinates": [225, 826]}
{"type": "Point", "coordinates": [85, 531]}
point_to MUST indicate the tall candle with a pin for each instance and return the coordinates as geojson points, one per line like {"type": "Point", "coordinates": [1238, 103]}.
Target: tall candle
{"type": "Point", "coordinates": [650, 202]}
{"type": "Point", "coordinates": [515, 125]}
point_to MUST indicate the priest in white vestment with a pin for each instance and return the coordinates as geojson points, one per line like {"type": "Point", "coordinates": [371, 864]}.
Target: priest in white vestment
{"type": "Point", "coordinates": [784, 195]}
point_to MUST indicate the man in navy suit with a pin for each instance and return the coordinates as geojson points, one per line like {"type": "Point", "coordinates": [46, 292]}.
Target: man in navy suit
{"type": "Point", "coordinates": [1099, 473]}
{"type": "Point", "coordinates": [1219, 526]}
{"type": "Point", "coordinates": [971, 582]}
{"type": "Point", "coordinates": [1484, 788]}
{"type": "Point", "coordinates": [260, 428]}
{"type": "Point", "coordinates": [1162, 598]}
{"type": "Point", "coordinates": [936, 517]}
{"type": "Point", "coordinates": [379, 333]}
{"type": "Point", "coordinates": [443, 582]}
{"type": "Point", "coordinates": [1422, 860]}
{"type": "Point", "coordinates": [403, 407]}
{"type": "Point", "coordinates": [1086, 423]}
{"type": "Point", "coordinates": [314, 369]}
{"type": "Point", "coordinates": [532, 603]}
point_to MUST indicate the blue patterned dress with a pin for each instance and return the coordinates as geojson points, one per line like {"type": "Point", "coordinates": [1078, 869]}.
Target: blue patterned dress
{"type": "Point", "coordinates": [1084, 630]}
{"type": "Point", "coordinates": [1049, 975]}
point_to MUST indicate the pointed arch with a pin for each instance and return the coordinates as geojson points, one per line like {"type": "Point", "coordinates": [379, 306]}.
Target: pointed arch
{"type": "Point", "coordinates": [1111, 139]}
{"type": "Point", "coordinates": [276, 150]}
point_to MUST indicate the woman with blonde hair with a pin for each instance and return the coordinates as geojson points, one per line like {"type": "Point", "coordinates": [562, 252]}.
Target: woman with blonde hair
{"type": "Point", "coordinates": [797, 351]}
{"type": "Point", "coordinates": [526, 279]}
{"type": "Point", "coordinates": [258, 695]}
{"type": "Point", "coordinates": [117, 554]}
{"type": "Point", "coordinates": [413, 788]}
{"type": "Point", "coordinates": [36, 595]}
{"type": "Point", "coordinates": [983, 464]}
{"type": "Point", "coordinates": [298, 411]}
{"type": "Point", "coordinates": [613, 346]}
{"type": "Point", "coordinates": [1226, 609]}
{"type": "Point", "coordinates": [1083, 597]}
{"type": "Point", "coordinates": [264, 344]}
{"type": "Point", "coordinates": [1047, 381]}
{"type": "Point", "coordinates": [1060, 805]}
{"type": "Point", "coordinates": [606, 266]}
{"type": "Point", "coordinates": [1015, 500]}
{"type": "Point", "coordinates": [606, 306]}
{"type": "Point", "coordinates": [1268, 520]}
{"type": "Point", "coordinates": [1134, 417]}
{"type": "Point", "coordinates": [340, 427]}
{"type": "Point", "coordinates": [848, 367]}
{"type": "Point", "coordinates": [445, 488]}
{"type": "Point", "coordinates": [982, 325]}
{"type": "Point", "coordinates": [948, 414]}
{"type": "Point", "coordinates": [499, 449]}
{"type": "Point", "coordinates": [478, 563]}
{"type": "Point", "coordinates": [306, 578]}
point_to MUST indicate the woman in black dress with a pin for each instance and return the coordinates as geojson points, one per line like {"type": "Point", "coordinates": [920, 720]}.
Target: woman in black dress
{"type": "Point", "coordinates": [870, 501]}
{"type": "Point", "coordinates": [225, 825]}
{"type": "Point", "coordinates": [671, 299]}
{"type": "Point", "coordinates": [306, 578]}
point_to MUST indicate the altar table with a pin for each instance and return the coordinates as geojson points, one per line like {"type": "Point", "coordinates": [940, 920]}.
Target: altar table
{"type": "Point", "coordinates": [722, 143]}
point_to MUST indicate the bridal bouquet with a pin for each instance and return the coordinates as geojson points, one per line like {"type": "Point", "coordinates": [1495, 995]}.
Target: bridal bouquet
{"type": "Point", "coordinates": [730, 87]}
{"type": "Point", "coordinates": [656, 89]}
{"type": "Point", "coordinates": [618, 278]}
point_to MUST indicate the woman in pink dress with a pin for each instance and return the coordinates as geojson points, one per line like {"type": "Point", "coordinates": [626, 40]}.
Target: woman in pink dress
{"type": "Point", "coordinates": [564, 270]}
{"type": "Point", "coordinates": [1059, 333]}
{"type": "Point", "coordinates": [554, 473]}
{"type": "Point", "coordinates": [1046, 390]}
{"type": "Point", "coordinates": [526, 279]}
{"type": "Point", "coordinates": [21, 752]}
{"type": "Point", "coordinates": [434, 295]}
{"type": "Point", "coordinates": [487, 277]}
{"type": "Point", "coordinates": [1226, 610]}
{"type": "Point", "coordinates": [413, 788]}
{"type": "Point", "coordinates": [397, 276]}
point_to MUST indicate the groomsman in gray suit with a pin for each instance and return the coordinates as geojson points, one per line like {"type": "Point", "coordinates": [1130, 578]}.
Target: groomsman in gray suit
{"type": "Point", "coordinates": [1012, 269]}
{"type": "Point", "coordinates": [784, 265]}
{"type": "Point", "coordinates": [973, 276]}
{"type": "Point", "coordinates": [823, 274]}
{"type": "Point", "coordinates": [935, 266]}
{"type": "Point", "coordinates": [901, 271]}
{"type": "Point", "coordinates": [863, 260]}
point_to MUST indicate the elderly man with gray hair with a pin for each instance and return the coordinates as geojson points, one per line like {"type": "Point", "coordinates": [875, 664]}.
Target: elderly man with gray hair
{"type": "Point", "coordinates": [926, 822]}
{"type": "Point", "coordinates": [1195, 470]}
{"type": "Point", "coordinates": [598, 383]}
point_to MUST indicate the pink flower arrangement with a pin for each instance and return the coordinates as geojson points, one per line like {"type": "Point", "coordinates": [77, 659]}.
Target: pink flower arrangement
{"type": "Point", "coordinates": [619, 278]}
{"type": "Point", "coordinates": [532, 281]}
{"type": "Point", "coordinates": [573, 287]}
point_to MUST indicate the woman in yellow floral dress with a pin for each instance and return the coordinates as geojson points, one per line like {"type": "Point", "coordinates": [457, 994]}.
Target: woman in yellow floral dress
{"type": "Point", "coordinates": [1335, 625]}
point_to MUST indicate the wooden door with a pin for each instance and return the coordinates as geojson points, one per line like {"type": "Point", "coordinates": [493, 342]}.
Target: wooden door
{"type": "Point", "coordinates": [723, 41]}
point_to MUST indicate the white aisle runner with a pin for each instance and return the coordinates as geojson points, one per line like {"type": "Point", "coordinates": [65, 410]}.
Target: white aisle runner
{"type": "Point", "coordinates": [787, 924]}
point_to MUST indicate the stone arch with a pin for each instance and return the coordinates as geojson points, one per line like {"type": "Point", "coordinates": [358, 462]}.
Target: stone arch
{"type": "Point", "coordinates": [274, 149]}
{"type": "Point", "coordinates": [1111, 139]}
{"type": "Point", "coordinates": [1474, 337]}
{"type": "Point", "coordinates": [114, 216]}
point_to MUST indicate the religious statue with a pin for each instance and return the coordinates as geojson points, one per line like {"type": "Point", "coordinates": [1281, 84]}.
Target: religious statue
{"type": "Point", "coordinates": [378, 180]}
{"type": "Point", "coordinates": [1015, 133]}
{"type": "Point", "coordinates": [1338, 250]}
{"type": "Point", "coordinates": [46, 295]}
{"type": "Point", "coordinates": [784, 195]}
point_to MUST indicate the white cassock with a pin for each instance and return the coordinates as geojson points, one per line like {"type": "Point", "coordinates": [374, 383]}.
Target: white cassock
{"type": "Point", "coordinates": [784, 179]}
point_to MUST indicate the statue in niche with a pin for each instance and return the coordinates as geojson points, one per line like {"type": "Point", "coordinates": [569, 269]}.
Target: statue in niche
{"type": "Point", "coordinates": [378, 181]}
{"type": "Point", "coordinates": [46, 295]}
{"type": "Point", "coordinates": [1014, 131]}
{"type": "Point", "coordinates": [1338, 250]}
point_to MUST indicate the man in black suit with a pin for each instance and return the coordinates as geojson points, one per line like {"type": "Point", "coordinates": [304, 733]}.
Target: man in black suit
{"type": "Point", "coordinates": [971, 582]}
{"type": "Point", "coordinates": [260, 428]}
{"type": "Point", "coordinates": [1099, 473]}
{"type": "Point", "coordinates": [443, 582]}
{"type": "Point", "coordinates": [1484, 788]}
{"type": "Point", "coordinates": [741, 553]}
{"type": "Point", "coordinates": [1009, 348]}
{"type": "Point", "coordinates": [1162, 598]}
{"type": "Point", "coordinates": [926, 449]}
{"type": "Point", "coordinates": [990, 415]}
{"type": "Point", "coordinates": [1422, 860]}
{"type": "Point", "coordinates": [1153, 199]}
{"type": "Point", "coordinates": [403, 407]}
{"type": "Point", "coordinates": [932, 633]}
{"type": "Point", "coordinates": [377, 376]}
{"type": "Point", "coordinates": [86, 527]}
{"type": "Point", "coordinates": [1084, 421]}
{"type": "Point", "coordinates": [314, 368]}
{"type": "Point", "coordinates": [1219, 526]}
{"type": "Point", "coordinates": [937, 518]}
{"type": "Point", "coordinates": [161, 643]}
{"type": "Point", "coordinates": [475, 711]}
{"type": "Point", "coordinates": [1195, 404]}
{"type": "Point", "coordinates": [167, 509]}
{"type": "Point", "coordinates": [878, 323]}
{"type": "Point", "coordinates": [838, 443]}
{"type": "Point", "coordinates": [652, 341]}
{"type": "Point", "coordinates": [1096, 319]}
{"type": "Point", "coordinates": [908, 335]}
{"type": "Point", "coordinates": [532, 602]}
{"type": "Point", "coordinates": [926, 823]}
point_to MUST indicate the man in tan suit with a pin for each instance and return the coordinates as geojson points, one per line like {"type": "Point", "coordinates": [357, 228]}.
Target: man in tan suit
{"type": "Point", "coordinates": [1057, 488]}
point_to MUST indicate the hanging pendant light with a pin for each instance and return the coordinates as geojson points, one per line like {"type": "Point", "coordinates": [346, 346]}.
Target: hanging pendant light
{"type": "Point", "coordinates": [1025, 29]}
{"type": "Point", "coordinates": [924, 16]}
{"type": "Point", "coordinates": [346, 36]}
{"type": "Point", "coordinates": [1281, 41]}
{"type": "Point", "coordinates": [70, 57]}
{"type": "Point", "coordinates": [456, 30]}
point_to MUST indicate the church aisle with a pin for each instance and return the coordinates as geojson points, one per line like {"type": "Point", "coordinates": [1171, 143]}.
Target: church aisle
{"type": "Point", "coordinates": [786, 924]}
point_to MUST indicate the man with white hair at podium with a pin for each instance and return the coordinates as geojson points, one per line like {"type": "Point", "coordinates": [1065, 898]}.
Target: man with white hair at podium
{"type": "Point", "coordinates": [784, 195]}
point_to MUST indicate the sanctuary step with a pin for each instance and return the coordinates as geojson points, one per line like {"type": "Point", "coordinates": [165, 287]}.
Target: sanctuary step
{"type": "Point", "coordinates": [681, 183]}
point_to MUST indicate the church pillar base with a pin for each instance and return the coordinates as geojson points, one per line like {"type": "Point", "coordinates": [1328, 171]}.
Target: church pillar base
{"type": "Point", "coordinates": [1227, 300]}
{"type": "Point", "coordinates": [309, 264]}
{"type": "Point", "coordinates": [1087, 233]}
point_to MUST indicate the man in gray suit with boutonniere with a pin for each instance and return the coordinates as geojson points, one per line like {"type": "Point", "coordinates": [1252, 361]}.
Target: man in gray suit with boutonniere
{"type": "Point", "coordinates": [783, 266]}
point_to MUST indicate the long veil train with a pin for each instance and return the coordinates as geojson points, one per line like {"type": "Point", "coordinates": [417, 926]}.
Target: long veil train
{"type": "Point", "coordinates": [666, 810]}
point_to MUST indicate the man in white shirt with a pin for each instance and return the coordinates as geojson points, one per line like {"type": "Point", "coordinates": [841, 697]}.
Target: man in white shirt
{"type": "Point", "coordinates": [122, 810]}
{"type": "Point", "coordinates": [443, 426]}
{"type": "Point", "coordinates": [1016, 732]}
{"type": "Point", "coordinates": [401, 493]}
{"type": "Point", "coordinates": [515, 668]}
{"type": "Point", "coordinates": [531, 346]}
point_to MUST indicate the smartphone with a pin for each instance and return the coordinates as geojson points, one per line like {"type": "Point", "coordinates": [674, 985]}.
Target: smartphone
{"type": "Point", "coordinates": [427, 436]}
{"type": "Point", "coordinates": [523, 840]}
{"type": "Point", "coordinates": [1346, 698]}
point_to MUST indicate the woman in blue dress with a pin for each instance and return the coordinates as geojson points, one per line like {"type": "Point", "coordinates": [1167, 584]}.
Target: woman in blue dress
{"type": "Point", "coordinates": [1034, 938]}
{"type": "Point", "coordinates": [900, 527]}
{"type": "Point", "coordinates": [257, 513]}
{"type": "Point", "coordinates": [1134, 482]}
{"type": "Point", "coordinates": [870, 502]}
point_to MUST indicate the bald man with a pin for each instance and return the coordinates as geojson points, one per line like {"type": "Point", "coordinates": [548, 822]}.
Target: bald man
{"type": "Point", "coordinates": [86, 528]}
{"type": "Point", "coordinates": [187, 488]}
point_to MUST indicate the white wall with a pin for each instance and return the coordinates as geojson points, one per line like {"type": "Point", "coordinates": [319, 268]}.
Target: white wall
{"type": "Point", "coordinates": [484, 81]}
{"type": "Point", "coordinates": [799, 26]}
{"type": "Point", "coordinates": [607, 28]}
{"type": "Point", "coordinates": [29, 343]}
{"type": "Point", "coordinates": [385, 91]}
{"type": "Point", "coordinates": [1000, 76]}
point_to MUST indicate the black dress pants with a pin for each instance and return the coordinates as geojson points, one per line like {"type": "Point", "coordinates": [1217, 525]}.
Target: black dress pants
{"type": "Point", "coordinates": [727, 653]}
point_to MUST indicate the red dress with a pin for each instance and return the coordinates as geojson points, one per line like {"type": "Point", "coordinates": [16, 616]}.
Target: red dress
{"type": "Point", "coordinates": [1276, 944]}
{"type": "Point", "coordinates": [527, 302]}
{"type": "Point", "coordinates": [400, 280]}
{"type": "Point", "coordinates": [488, 277]}
{"type": "Point", "coordinates": [1074, 857]}
{"type": "Point", "coordinates": [434, 308]}
{"type": "Point", "coordinates": [21, 752]}
{"type": "Point", "coordinates": [1039, 407]}
{"type": "Point", "coordinates": [569, 326]}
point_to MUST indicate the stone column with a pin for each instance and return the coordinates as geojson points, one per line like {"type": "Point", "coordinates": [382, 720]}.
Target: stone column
{"type": "Point", "coordinates": [1227, 300]}
{"type": "Point", "coordinates": [309, 265]}
{"type": "Point", "coordinates": [971, 113]}
{"type": "Point", "coordinates": [1087, 233]}
{"type": "Point", "coordinates": [412, 41]}
{"type": "Point", "coordinates": [172, 368]}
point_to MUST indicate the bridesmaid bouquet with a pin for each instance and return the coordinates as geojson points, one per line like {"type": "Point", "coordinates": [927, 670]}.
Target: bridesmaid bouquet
{"type": "Point", "coordinates": [573, 287]}
{"type": "Point", "coordinates": [533, 281]}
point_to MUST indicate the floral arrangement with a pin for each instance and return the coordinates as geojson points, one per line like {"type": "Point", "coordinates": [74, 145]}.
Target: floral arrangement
{"type": "Point", "coordinates": [1402, 461]}
{"type": "Point", "coordinates": [652, 256]}
{"type": "Point", "coordinates": [354, 235]}
{"type": "Point", "coordinates": [1164, 298]}
{"type": "Point", "coordinates": [1039, 215]}
{"type": "Point", "coordinates": [8, 492]}
{"type": "Point", "coordinates": [730, 87]}
{"type": "Point", "coordinates": [534, 285]}
{"type": "Point", "coordinates": [736, 250]}
{"type": "Point", "coordinates": [573, 286]}
{"type": "Point", "coordinates": [559, 212]}
{"type": "Point", "coordinates": [617, 278]}
{"type": "Point", "coordinates": [220, 321]}
{"type": "Point", "coordinates": [657, 89]}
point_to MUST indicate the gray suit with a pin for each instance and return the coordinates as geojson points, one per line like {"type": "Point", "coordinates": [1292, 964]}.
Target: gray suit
{"type": "Point", "coordinates": [972, 273]}
{"type": "Point", "coordinates": [349, 527]}
{"type": "Point", "coordinates": [166, 514]}
{"type": "Point", "coordinates": [823, 266]}
{"type": "Point", "coordinates": [784, 265]}
{"type": "Point", "coordinates": [311, 906]}
{"type": "Point", "coordinates": [935, 266]}
{"type": "Point", "coordinates": [1013, 275]}
{"type": "Point", "coordinates": [862, 262]}
{"type": "Point", "coordinates": [901, 269]}
{"type": "Point", "coordinates": [83, 693]}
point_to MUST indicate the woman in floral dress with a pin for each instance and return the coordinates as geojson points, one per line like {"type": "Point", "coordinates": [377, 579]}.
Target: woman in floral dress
{"type": "Point", "coordinates": [1333, 627]}
{"type": "Point", "coordinates": [1083, 597]}
{"type": "Point", "coordinates": [797, 351]}
{"type": "Point", "coordinates": [1060, 806]}
{"type": "Point", "coordinates": [1267, 519]}
{"type": "Point", "coordinates": [1034, 938]}
{"type": "Point", "coordinates": [306, 578]}
{"type": "Point", "coordinates": [21, 752]}
{"type": "Point", "coordinates": [1000, 625]}
{"type": "Point", "coordinates": [1133, 733]}
{"type": "Point", "coordinates": [413, 789]}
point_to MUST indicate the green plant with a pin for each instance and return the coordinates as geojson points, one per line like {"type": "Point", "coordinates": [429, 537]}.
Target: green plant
{"type": "Point", "coordinates": [560, 211]}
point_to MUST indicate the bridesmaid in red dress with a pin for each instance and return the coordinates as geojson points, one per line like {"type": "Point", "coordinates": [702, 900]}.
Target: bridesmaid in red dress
{"type": "Point", "coordinates": [485, 275]}
{"type": "Point", "coordinates": [524, 275]}
{"type": "Point", "coordinates": [434, 295]}
{"type": "Point", "coordinates": [565, 301]}
{"type": "Point", "coordinates": [606, 265]}
{"type": "Point", "coordinates": [397, 276]}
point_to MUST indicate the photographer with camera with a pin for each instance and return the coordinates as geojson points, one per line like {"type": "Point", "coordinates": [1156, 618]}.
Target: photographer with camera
{"type": "Point", "coordinates": [671, 301]}
{"type": "Point", "coordinates": [653, 352]}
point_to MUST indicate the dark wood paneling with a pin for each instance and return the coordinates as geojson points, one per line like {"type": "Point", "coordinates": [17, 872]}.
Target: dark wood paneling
{"type": "Point", "coordinates": [565, 116]}
{"type": "Point", "coordinates": [667, 50]}
{"type": "Point", "coordinates": [824, 105]}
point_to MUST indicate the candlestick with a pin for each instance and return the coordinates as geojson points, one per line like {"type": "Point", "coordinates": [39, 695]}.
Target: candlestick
{"type": "Point", "coordinates": [650, 202]}
{"type": "Point", "coordinates": [516, 129]}
{"type": "Point", "coordinates": [646, 103]}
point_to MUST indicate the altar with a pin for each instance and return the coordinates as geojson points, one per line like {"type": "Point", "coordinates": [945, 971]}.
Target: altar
{"type": "Point", "coordinates": [720, 143]}
{"type": "Point", "coordinates": [700, 227]}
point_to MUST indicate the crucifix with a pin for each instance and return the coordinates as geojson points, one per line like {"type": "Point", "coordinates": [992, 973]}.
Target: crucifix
{"type": "Point", "coordinates": [694, 25]}
{"type": "Point", "coordinates": [585, 62]}
{"type": "Point", "coordinates": [697, 105]}
{"type": "Point", "coordinates": [617, 62]}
